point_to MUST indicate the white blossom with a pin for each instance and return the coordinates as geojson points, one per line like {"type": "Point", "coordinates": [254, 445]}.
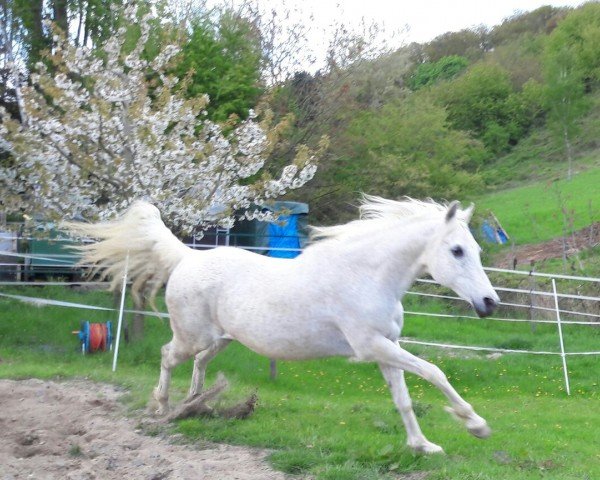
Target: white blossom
{"type": "Point", "coordinates": [108, 137]}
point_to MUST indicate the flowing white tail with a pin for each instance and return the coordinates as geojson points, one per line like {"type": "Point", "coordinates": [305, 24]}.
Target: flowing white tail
{"type": "Point", "coordinates": [140, 234]}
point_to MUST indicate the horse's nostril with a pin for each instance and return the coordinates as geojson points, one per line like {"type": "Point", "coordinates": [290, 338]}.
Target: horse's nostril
{"type": "Point", "coordinates": [489, 302]}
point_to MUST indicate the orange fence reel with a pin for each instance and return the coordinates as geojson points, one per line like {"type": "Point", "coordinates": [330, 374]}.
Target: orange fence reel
{"type": "Point", "coordinates": [95, 337]}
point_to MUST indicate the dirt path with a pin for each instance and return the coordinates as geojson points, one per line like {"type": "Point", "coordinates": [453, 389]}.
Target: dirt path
{"type": "Point", "coordinates": [77, 430]}
{"type": "Point", "coordinates": [574, 243]}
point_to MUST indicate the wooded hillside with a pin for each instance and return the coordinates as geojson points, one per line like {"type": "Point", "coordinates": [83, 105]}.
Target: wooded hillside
{"type": "Point", "coordinates": [468, 111]}
{"type": "Point", "coordinates": [456, 116]}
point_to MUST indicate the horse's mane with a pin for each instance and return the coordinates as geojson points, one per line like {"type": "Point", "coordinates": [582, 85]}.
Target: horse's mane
{"type": "Point", "coordinates": [376, 212]}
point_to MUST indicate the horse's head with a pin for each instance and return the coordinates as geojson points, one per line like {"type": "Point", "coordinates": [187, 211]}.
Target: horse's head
{"type": "Point", "coordinates": [453, 260]}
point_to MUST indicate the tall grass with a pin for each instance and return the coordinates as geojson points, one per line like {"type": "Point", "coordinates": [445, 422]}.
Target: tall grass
{"type": "Point", "coordinates": [332, 419]}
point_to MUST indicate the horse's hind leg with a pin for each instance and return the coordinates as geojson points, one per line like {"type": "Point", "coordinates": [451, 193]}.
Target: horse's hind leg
{"type": "Point", "coordinates": [415, 438]}
{"type": "Point", "coordinates": [200, 362]}
{"type": "Point", "coordinates": [173, 353]}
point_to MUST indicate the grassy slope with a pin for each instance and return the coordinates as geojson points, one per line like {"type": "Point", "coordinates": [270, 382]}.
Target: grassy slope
{"type": "Point", "coordinates": [534, 213]}
{"type": "Point", "coordinates": [528, 190]}
{"type": "Point", "coordinates": [334, 419]}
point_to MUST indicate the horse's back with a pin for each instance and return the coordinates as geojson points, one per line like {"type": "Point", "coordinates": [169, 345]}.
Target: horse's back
{"type": "Point", "coordinates": [205, 269]}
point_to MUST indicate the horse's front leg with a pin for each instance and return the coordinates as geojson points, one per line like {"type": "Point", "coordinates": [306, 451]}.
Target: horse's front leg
{"type": "Point", "coordinates": [415, 438]}
{"type": "Point", "coordinates": [384, 351]}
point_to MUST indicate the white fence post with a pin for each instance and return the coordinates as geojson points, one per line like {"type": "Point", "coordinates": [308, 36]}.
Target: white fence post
{"type": "Point", "coordinates": [560, 337]}
{"type": "Point", "coordinates": [121, 308]}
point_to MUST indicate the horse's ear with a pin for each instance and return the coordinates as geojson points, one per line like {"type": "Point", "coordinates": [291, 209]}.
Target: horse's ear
{"type": "Point", "coordinates": [468, 212]}
{"type": "Point", "coordinates": [452, 209]}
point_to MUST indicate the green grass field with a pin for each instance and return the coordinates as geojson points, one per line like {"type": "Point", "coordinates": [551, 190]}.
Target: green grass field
{"type": "Point", "coordinates": [332, 419]}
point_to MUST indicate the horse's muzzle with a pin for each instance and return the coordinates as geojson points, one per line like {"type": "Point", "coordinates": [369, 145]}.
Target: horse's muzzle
{"type": "Point", "coordinates": [486, 307]}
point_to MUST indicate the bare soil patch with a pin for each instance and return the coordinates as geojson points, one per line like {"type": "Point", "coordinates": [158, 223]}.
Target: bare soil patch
{"type": "Point", "coordinates": [78, 430]}
{"type": "Point", "coordinates": [580, 240]}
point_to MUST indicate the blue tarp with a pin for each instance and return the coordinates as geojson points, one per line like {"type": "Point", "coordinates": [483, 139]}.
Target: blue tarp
{"type": "Point", "coordinates": [283, 234]}
{"type": "Point", "coordinates": [493, 235]}
{"type": "Point", "coordinates": [287, 230]}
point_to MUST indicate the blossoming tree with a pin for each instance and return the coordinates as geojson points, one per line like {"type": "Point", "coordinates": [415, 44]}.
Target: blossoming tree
{"type": "Point", "coordinates": [103, 128]}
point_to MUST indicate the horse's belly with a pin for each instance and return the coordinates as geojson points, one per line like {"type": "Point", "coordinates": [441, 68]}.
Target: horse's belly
{"type": "Point", "coordinates": [296, 344]}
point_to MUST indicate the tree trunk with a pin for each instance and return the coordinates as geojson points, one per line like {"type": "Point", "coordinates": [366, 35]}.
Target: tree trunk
{"type": "Point", "coordinates": [86, 25]}
{"type": "Point", "coordinates": [136, 328]}
{"type": "Point", "coordinates": [569, 150]}
{"type": "Point", "coordinates": [31, 13]}
{"type": "Point", "coordinates": [61, 15]}
{"type": "Point", "coordinates": [565, 248]}
{"type": "Point", "coordinates": [79, 23]}
{"type": "Point", "coordinates": [8, 33]}
{"type": "Point", "coordinates": [117, 306]}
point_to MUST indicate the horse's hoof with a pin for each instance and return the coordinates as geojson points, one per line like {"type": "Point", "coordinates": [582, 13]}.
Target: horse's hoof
{"type": "Point", "coordinates": [161, 411]}
{"type": "Point", "coordinates": [427, 448]}
{"type": "Point", "coordinates": [480, 431]}
{"type": "Point", "coordinates": [476, 425]}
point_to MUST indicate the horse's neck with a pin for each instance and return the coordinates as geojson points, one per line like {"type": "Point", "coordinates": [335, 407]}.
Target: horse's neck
{"type": "Point", "coordinates": [392, 258]}
{"type": "Point", "coordinates": [399, 254]}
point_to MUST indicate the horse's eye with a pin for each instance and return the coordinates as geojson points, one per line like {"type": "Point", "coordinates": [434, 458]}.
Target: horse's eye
{"type": "Point", "coordinates": [457, 251]}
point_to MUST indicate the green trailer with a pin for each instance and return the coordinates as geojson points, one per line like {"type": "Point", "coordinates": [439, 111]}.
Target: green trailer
{"type": "Point", "coordinates": [48, 253]}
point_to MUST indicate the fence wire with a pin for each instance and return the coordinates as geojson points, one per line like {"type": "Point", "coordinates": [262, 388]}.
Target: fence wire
{"type": "Point", "coordinates": [64, 260]}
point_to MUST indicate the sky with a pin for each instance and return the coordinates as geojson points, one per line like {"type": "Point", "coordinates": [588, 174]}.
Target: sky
{"type": "Point", "coordinates": [403, 21]}
{"type": "Point", "coordinates": [426, 19]}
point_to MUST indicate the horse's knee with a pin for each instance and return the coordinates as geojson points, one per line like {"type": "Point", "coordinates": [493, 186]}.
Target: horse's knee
{"type": "Point", "coordinates": [435, 375]}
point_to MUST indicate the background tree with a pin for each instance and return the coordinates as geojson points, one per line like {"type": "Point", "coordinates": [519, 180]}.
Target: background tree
{"type": "Point", "coordinates": [283, 41]}
{"type": "Point", "coordinates": [521, 59]}
{"type": "Point", "coordinates": [469, 43]}
{"type": "Point", "coordinates": [537, 22]}
{"type": "Point", "coordinates": [12, 70]}
{"type": "Point", "coordinates": [483, 101]}
{"type": "Point", "coordinates": [25, 34]}
{"type": "Point", "coordinates": [579, 32]}
{"type": "Point", "coordinates": [224, 60]}
{"type": "Point", "coordinates": [107, 129]}
{"type": "Point", "coordinates": [564, 99]}
{"type": "Point", "coordinates": [31, 15]}
{"type": "Point", "coordinates": [571, 67]}
{"type": "Point", "coordinates": [408, 148]}
{"type": "Point", "coordinates": [84, 22]}
{"type": "Point", "coordinates": [445, 68]}
{"type": "Point", "coordinates": [361, 73]}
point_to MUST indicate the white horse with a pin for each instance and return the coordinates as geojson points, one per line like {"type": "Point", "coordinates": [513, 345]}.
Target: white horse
{"type": "Point", "coordinates": [341, 297]}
